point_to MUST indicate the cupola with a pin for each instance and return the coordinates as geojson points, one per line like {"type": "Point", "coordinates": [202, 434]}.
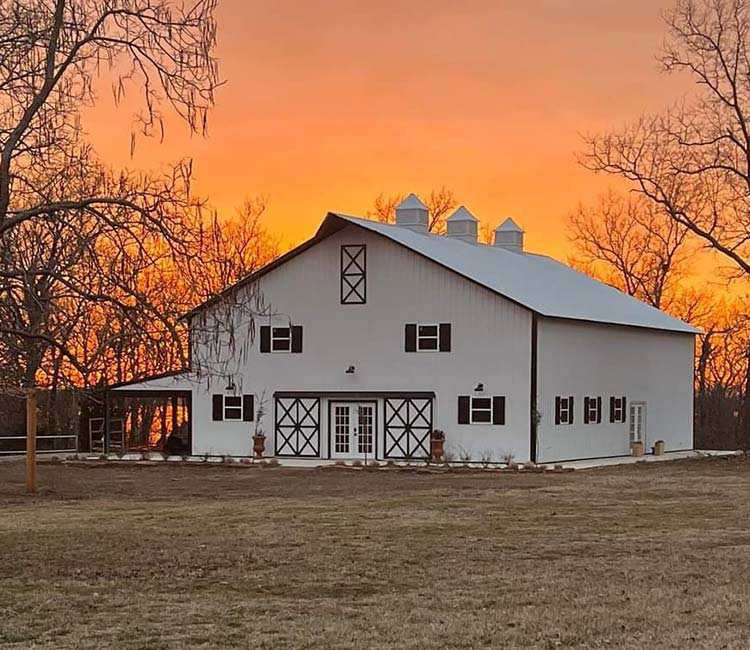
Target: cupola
{"type": "Point", "coordinates": [411, 213]}
{"type": "Point", "coordinates": [510, 236]}
{"type": "Point", "coordinates": [462, 225]}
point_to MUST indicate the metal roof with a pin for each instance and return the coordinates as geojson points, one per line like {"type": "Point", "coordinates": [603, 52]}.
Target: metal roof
{"type": "Point", "coordinates": [536, 282]}
{"type": "Point", "coordinates": [509, 225]}
{"type": "Point", "coordinates": [462, 214]}
{"type": "Point", "coordinates": [411, 202]}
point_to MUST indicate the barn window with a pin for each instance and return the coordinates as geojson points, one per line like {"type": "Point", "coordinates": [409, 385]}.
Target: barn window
{"type": "Point", "coordinates": [281, 338]}
{"type": "Point", "coordinates": [481, 410]}
{"type": "Point", "coordinates": [564, 410]}
{"type": "Point", "coordinates": [354, 275]}
{"type": "Point", "coordinates": [234, 407]}
{"type": "Point", "coordinates": [592, 410]}
{"type": "Point", "coordinates": [427, 337]}
{"type": "Point", "coordinates": [617, 409]}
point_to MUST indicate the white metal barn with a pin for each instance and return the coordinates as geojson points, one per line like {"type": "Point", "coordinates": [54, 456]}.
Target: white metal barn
{"type": "Point", "coordinates": [376, 334]}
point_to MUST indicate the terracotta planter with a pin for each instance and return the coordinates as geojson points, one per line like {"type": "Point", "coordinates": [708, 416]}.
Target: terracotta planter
{"type": "Point", "coordinates": [636, 448]}
{"type": "Point", "coordinates": [259, 446]}
{"type": "Point", "coordinates": [436, 449]}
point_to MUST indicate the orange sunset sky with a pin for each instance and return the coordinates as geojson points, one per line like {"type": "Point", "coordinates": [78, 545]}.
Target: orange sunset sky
{"type": "Point", "coordinates": [327, 104]}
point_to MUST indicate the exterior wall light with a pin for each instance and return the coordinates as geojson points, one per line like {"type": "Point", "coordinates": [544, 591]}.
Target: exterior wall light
{"type": "Point", "coordinates": [479, 388]}
{"type": "Point", "coordinates": [351, 370]}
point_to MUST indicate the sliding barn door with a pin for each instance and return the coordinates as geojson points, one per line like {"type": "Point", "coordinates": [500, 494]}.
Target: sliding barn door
{"type": "Point", "coordinates": [408, 422]}
{"type": "Point", "coordinates": [298, 427]}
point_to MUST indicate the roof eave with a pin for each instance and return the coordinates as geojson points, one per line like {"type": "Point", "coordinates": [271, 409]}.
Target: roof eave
{"type": "Point", "coordinates": [330, 225]}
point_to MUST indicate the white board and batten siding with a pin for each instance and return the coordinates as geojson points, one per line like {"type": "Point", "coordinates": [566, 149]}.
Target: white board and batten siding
{"type": "Point", "coordinates": [591, 341]}
{"type": "Point", "coordinates": [490, 344]}
{"type": "Point", "coordinates": [581, 359]}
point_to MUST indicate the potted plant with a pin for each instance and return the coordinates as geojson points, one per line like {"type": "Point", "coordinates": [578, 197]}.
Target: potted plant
{"type": "Point", "coordinates": [437, 443]}
{"type": "Point", "coordinates": [259, 443]}
{"type": "Point", "coordinates": [259, 438]}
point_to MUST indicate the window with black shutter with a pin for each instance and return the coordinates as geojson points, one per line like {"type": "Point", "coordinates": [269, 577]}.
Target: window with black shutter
{"type": "Point", "coordinates": [281, 338]}
{"type": "Point", "coordinates": [564, 408]}
{"type": "Point", "coordinates": [233, 407]}
{"type": "Point", "coordinates": [592, 410]}
{"type": "Point", "coordinates": [427, 337]}
{"type": "Point", "coordinates": [617, 409]}
{"type": "Point", "coordinates": [478, 409]}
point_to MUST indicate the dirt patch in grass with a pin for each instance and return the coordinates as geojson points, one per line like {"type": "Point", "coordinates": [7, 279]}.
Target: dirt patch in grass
{"type": "Point", "coordinates": [650, 556]}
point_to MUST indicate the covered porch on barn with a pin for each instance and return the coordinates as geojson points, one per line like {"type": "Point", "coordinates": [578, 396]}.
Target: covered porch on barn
{"type": "Point", "coordinates": [132, 420]}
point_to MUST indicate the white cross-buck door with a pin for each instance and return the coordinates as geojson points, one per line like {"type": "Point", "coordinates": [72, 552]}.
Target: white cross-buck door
{"type": "Point", "coordinates": [638, 422]}
{"type": "Point", "coordinates": [352, 430]}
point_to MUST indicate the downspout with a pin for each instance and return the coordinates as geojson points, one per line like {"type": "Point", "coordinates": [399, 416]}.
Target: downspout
{"type": "Point", "coordinates": [533, 412]}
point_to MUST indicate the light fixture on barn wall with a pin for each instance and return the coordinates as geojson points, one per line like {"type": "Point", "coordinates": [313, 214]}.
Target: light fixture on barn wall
{"type": "Point", "coordinates": [351, 370]}
{"type": "Point", "coordinates": [230, 386]}
{"type": "Point", "coordinates": [479, 388]}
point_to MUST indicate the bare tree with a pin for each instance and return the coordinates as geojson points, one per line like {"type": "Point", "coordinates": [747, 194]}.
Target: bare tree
{"type": "Point", "coordinates": [72, 232]}
{"type": "Point", "coordinates": [51, 53]}
{"type": "Point", "coordinates": [440, 204]}
{"type": "Point", "coordinates": [693, 160]}
{"type": "Point", "coordinates": [628, 242]}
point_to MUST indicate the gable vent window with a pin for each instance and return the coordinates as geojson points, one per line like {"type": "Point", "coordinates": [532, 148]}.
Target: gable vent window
{"type": "Point", "coordinates": [281, 339]}
{"type": "Point", "coordinates": [233, 407]}
{"type": "Point", "coordinates": [354, 275]}
{"type": "Point", "coordinates": [564, 407]}
{"type": "Point", "coordinates": [617, 409]}
{"type": "Point", "coordinates": [427, 337]}
{"type": "Point", "coordinates": [481, 410]}
{"type": "Point", "coordinates": [592, 410]}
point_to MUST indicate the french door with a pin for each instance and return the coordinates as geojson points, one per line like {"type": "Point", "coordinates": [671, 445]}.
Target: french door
{"type": "Point", "coordinates": [352, 430]}
{"type": "Point", "coordinates": [638, 422]}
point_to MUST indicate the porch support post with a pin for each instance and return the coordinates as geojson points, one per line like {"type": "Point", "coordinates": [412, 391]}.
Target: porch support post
{"type": "Point", "coordinates": [174, 414]}
{"type": "Point", "coordinates": [106, 421]}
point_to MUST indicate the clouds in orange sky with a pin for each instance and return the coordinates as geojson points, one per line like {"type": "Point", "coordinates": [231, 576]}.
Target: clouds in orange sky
{"type": "Point", "coordinates": [327, 104]}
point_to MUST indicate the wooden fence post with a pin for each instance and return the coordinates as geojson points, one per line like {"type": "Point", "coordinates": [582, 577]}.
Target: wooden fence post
{"type": "Point", "coordinates": [31, 441]}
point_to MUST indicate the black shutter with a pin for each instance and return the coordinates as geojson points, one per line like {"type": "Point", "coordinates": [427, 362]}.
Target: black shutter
{"type": "Point", "coordinates": [611, 409]}
{"type": "Point", "coordinates": [585, 410]}
{"type": "Point", "coordinates": [410, 337]}
{"type": "Point", "coordinates": [296, 338]}
{"type": "Point", "coordinates": [218, 408]}
{"type": "Point", "coordinates": [265, 338]}
{"type": "Point", "coordinates": [624, 417]}
{"type": "Point", "coordinates": [570, 410]}
{"type": "Point", "coordinates": [498, 409]}
{"type": "Point", "coordinates": [248, 408]}
{"type": "Point", "coordinates": [445, 337]}
{"type": "Point", "coordinates": [463, 409]}
{"type": "Point", "coordinates": [557, 410]}
{"type": "Point", "coordinates": [598, 410]}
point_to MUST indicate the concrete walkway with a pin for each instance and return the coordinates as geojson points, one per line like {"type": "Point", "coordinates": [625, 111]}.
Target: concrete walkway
{"type": "Point", "coordinates": [629, 460]}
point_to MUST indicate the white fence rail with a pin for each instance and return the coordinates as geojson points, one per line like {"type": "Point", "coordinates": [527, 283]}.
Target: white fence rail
{"type": "Point", "coordinates": [20, 445]}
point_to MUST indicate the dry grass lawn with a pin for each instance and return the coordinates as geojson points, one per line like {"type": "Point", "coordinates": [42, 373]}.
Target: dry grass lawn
{"type": "Point", "coordinates": [652, 556]}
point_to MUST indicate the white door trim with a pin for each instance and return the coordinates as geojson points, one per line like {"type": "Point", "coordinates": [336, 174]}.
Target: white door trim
{"type": "Point", "coordinates": [352, 429]}
{"type": "Point", "coordinates": [637, 423]}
